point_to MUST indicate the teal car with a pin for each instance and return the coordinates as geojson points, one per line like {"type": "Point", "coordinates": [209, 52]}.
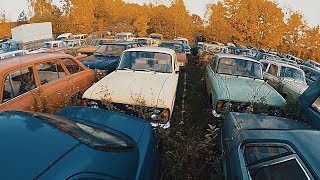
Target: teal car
{"type": "Point", "coordinates": [259, 147]}
{"type": "Point", "coordinates": [235, 82]}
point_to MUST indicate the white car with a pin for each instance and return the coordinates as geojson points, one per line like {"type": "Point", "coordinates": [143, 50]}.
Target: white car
{"type": "Point", "coordinates": [291, 78]}
{"type": "Point", "coordinates": [13, 54]}
{"type": "Point", "coordinates": [144, 84]}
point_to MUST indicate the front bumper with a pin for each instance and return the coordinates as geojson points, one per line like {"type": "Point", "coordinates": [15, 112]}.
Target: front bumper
{"type": "Point", "coordinates": [142, 112]}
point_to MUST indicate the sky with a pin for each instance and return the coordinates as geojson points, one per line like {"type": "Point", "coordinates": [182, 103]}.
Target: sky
{"type": "Point", "coordinates": [309, 8]}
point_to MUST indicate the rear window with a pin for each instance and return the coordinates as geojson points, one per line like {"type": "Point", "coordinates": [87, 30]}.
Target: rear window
{"type": "Point", "coordinates": [105, 139]}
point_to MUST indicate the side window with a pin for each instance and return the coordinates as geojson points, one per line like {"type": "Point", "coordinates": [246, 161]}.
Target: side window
{"type": "Point", "coordinates": [273, 69]}
{"type": "Point", "coordinates": [17, 83]}
{"type": "Point", "coordinates": [213, 64]}
{"type": "Point", "coordinates": [255, 153]}
{"type": "Point", "coordinates": [316, 105]}
{"type": "Point", "coordinates": [72, 66]}
{"type": "Point", "coordinates": [283, 170]}
{"type": "Point", "coordinates": [135, 45]}
{"type": "Point", "coordinates": [50, 71]}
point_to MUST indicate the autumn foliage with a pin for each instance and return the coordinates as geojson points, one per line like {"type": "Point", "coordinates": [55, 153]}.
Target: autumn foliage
{"type": "Point", "coordinates": [258, 23]}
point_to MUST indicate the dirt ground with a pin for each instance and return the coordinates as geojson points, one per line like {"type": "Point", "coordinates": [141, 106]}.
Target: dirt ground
{"type": "Point", "coordinates": [186, 152]}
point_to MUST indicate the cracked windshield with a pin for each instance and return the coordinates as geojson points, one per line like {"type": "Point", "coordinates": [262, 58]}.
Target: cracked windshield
{"type": "Point", "coordinates": [160, 89]}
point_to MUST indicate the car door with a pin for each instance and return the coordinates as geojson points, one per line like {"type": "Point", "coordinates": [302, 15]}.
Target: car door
{"type": "Point", "coordinates": [210, 74]}
{"type": "Point", "coordinates": [56, 85]}
{"type": "Point", "coordinates": [310, 105]}
{"type": "Point", "coordinates": [19, 89]}
{"type": "Point", "coordinates": [81, 77]}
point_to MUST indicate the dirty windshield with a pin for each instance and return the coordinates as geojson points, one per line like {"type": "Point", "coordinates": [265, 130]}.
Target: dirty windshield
{"type": "Point", "coordinates": [109, 50]}
{"type": "Point", "coordinates": [296, 74]}
{"type": "Point", "coordinates": [178, 48]}
{"type": "Point", "coordinates": [146, 61]}
{"type": "Point", "coordinates": [240, 67]}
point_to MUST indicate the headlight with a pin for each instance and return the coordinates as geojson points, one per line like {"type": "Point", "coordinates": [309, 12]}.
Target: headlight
{"type": "Point", "coordinates": [160, 114]}
{"type": "Point", "coordinates": [92, 103]}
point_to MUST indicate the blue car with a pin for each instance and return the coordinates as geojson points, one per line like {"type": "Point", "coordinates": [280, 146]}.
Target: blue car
{"type": "Point", "coordinates": [265, 147]}
{"type": "Point", "coordinates": [106, 58]}
{"type": "Point", "coordinates": [310, 105]}
{"type": "Point", "coordinates": [76, 143]}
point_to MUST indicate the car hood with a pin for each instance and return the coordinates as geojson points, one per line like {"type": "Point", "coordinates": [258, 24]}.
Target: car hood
{"type": "Point", "coordinates": [99, 62]}
{"type": "Point", "coordinates": [136, 88]}
{"type": "Point", "coordinates": [243, 89]}
{"type": "Point", "coordinates": [28, 139]}
{"type": "Point", "coordinates": [89, 49]}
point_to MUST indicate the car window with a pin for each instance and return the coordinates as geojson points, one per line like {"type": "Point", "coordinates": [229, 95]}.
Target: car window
{"type": "Point", "coordinates": [239, 67]}
{"type": "Point", "coordinates": [136, 45]}
{"type": "Point", "coordinates": [213, 64]}
{"type": "Point", "coordinates": [110, 50]}
{"type": "Point", "coordinates": [72, 66]}
{"type": "Point", "coordinates": [292, 73]}
{"type": "Point", "coordinates": [50, 71]}
{"type": "Point", "coordinates": [146, 61]}
{"type": "Point", "coordinates": [283, 170]}
{"type": "Point", "coordinates": [254, 154]}
{"type": "Point", "coordinates": [316, 105]}
{"type": "Point", "coordinates": [17, 83]}
{"type": "Point", "coordinates": [273, 69]}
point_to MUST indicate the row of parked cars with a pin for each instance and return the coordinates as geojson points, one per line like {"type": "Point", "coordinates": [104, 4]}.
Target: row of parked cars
{"type": "Point", "coordinates": [262, 146]}
{"type": "Point", "coordinates": [88, 141]}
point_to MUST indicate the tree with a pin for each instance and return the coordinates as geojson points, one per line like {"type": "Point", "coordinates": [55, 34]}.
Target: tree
{"type": "Point", "coordinates": [22, 18]}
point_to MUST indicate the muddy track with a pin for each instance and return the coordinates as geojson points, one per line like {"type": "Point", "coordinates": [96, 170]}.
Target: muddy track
{"type": "Point", "coordinates": [182, 150]}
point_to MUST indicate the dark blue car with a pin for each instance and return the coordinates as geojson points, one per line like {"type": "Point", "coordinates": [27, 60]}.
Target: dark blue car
{"type": "Point", "coordinates": [262, 147]}
{"type": "Point", "coordinates": [106, 58]}
{"type": "Point", "coordinates": [310, 105]}
{"type": "Point", "coordinates": [76, 143]}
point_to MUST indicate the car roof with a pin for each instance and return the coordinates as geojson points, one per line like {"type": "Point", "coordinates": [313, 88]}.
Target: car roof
{"type": "Point", "coordinates": [21, 61]}
{"type": "Point", "coordinates": [65, 34]}
{"type": "Point", "coordinates": [285, 64]}
{"type": "Point", "coordinates": [172, 42]}
{"type": "Point", "coordinates": [124, 33]}
{"type": "Point", "coordinates": [236, 56]}
{"type": "Point", "coordinates": [53, 41]}
{"type": "Point", "coordinates": [120, 43]}
{"type": "Point", "coordinates": [152, 49]}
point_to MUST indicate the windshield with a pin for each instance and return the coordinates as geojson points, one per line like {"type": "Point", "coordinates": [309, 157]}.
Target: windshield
{"type": "Point", "coordinates": [156, 37]}
{"type": "Point", "coordinates": [178, 48]}
{"type": "Point", "coordinates": [110, 50]}
{"type": "Point", "coordinates": [292, 73]}
{"type": "Point", "coordinates": [97, 42]}
{"type": "Point", "coordinates": [46, 45]}
{"type": "Point", "coordinates": [141, 41]}
{"type": "Point", "coordinates": [104, 139]}
{"type": "Point", "coordinates": [121, 36]}
{"type": "Point", "coordinates": [69, 43]}
{"type": "Point", "coordinates": [240, 67]}
{"type": "Point", "coordinates": [186, 46]}
{"type": "Point", "coordinates": [146, 61]}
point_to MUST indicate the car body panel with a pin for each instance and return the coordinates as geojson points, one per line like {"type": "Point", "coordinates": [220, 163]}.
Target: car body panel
{"type": "Point", "coordinates": [289, 85]}
{"type": "Point", "coordinates": [50, 96]}
{"type": "Point", "coordinates": [240, 129]}
{"type": "Point", "coordinates": [64, 155]}
{"type": "Point", "coordinates": [148, 89]}
{"type": "Point", "coordinates": [226, 87]}
{"type": "Point", "coordinates": [309, 104]}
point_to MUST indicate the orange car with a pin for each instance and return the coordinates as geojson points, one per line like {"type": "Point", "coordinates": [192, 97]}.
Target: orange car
{"type": "Point", "coordinates": [95, 43]}
{"type": "Point", "coordinates": [42, 82]}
